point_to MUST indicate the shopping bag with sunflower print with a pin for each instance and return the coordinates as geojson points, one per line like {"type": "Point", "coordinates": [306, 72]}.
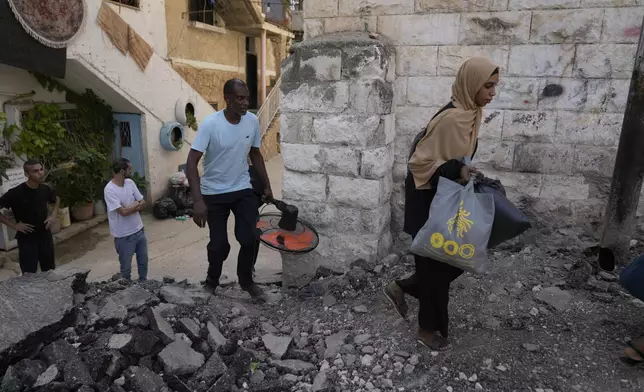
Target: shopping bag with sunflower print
{"type": "Point", "coordinates": [459, 227]}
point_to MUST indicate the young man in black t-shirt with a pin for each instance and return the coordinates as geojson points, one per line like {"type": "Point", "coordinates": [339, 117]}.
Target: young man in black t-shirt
{"type": "Point", "coordinates": [29, 204]}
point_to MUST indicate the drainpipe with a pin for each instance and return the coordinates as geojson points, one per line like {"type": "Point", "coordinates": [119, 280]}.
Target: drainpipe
{"type": "Point", "coordinates": [626, 185]}
{"type": "Point", "coordinates": [262, 71]}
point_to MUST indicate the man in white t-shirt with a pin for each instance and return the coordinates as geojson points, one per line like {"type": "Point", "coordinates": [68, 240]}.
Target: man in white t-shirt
{"type": "Point", "coordinates": [124, 202]}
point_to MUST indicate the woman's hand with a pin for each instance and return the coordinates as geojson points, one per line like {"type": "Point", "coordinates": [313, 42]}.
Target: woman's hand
{"type": "Point", "coordinates": [466, 172]}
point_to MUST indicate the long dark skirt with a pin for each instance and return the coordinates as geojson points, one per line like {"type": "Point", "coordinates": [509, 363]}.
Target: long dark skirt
{"type": "Point", "coordinates": [431, 281]}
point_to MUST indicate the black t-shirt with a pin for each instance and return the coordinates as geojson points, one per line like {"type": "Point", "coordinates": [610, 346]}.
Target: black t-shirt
{"type": "Point", "coordinates": [29, 205]}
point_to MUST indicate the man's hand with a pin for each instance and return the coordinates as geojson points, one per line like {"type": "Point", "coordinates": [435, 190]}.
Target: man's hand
{"type": "Point", "coordinates": [49, 221]}
{"type": "Point", "coordinates": [199, 213]}
{"type": "Point", "coordinates": [268, 193]}
{"type": "Point", "coordinates": [24, 228]}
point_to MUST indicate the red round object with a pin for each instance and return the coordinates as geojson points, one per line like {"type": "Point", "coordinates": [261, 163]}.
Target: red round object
{"type": "Point", "coordinates": [301, 240]}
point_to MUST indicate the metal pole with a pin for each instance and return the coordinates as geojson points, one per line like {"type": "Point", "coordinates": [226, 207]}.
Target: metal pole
{"type": "Point", "coordinates": [626, 185]}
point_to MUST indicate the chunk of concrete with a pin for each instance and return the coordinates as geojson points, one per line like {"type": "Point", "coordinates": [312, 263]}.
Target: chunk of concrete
{"type": "Point", "coordinates": [180, 359]}
{"type": "Point", "coordinates": [176, 295]}
{"type": "Point", "coordinates": [132, 297]}
{"type": "Point", "coordinates": [190, 328]}
{"type": "Point", "coordinates": [112, 313]}
{"type": "Point", "coordinates": [212, 370]}
{"type": "Point", "coordinates": [215, 338]}
{"type": "Point", "coordinates": [160, 325]}
{"type": "Point", "coordinates": [64, 356]}
{"type": "Point", "coordinates": [140, 379]}
{"type": "Point", "coordinates": [32, 307]}
{"type": "Point", "coordinates": [277, 345]}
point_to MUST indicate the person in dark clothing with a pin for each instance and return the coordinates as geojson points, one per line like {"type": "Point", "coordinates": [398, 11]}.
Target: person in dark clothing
{"type": "Point", "coordinates": [228, 138]}
{"type": "Point", "coordinates": [439, 151]}
{"type": "Point", "coordinates": [632, 279]}
{"type": "Point", "coordinates": [29, 202]}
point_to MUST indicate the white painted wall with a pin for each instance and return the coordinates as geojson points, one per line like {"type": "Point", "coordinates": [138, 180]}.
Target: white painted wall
{"type": "Point", "coordinates": [154, 92]}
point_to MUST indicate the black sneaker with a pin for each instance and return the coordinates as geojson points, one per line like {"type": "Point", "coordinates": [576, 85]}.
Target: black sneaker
{"type": "Point", "coordinates": [209, 286]}
{"type": "Point", "coordinates": [255, 291]}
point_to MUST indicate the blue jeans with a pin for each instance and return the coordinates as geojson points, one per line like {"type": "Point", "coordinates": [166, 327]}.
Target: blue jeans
{"type": "Point", "coordinates": [126, 247]}
{"type": "Point", "coordinates": [632, 278]}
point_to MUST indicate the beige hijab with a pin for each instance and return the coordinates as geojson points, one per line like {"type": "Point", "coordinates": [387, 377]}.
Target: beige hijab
{"type": "Point", "coordinates": [453, 133]}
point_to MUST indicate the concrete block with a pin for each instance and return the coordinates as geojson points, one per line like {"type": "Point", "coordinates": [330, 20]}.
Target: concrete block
{"type": "Point", "coordinates": [296, 127]}
{"type": "Point", "coordinates": [377, 162]}
{"type": "Point", "coordinates": [494, 154]}
{"type": "Point", "coordinates": [609, 3]}
{"type": "Point", "coordinates": [450, 58]}
{"type": "Point", "coordinates": [410, 120]}
{"type": "Point", "coordinates": [429, 91]}
{"type": "Point", "coordinates": [302, 157]}
{"type": "Point", "coordinates": [622, 25]}
{"type": "Point", "coordinates": [345, 129]}
{"type": "Point", "coordinates": [372, 96]}
{"type": "Point", "coordinates": [376, 220]}
{"type": "Point", "coordinates": [318, 213]}
{"type": "Point", "coordinates": [496, 28]}
{"type": "Point", "coordinates": [600, 129]}
{"type": "Point", "coordinates": [321, 65]}
{"type": "Point", "coordinates": [387, 129]}
{"type": "Point", "coordinates": [530, 126]}
{"type": "Point", "coordinates": [564, 187]}
{"type": "Point", "coordinates": [400, 91]}
{"type": "Point", "coordinates": [614, 61]}
{"type": "Point", "coordinates": [300, 186]}
{"type": "Point", "coordinates": [544, 158]}
{"type": "Point", "coordinates": [343, 161]}
{"type": "Point", "coordinates": [402, 148]}
{"type": "Point", "coordinates": [492, 124]}
{"type": "Point", "coordinates": [588, 95]}
{"type": "Point", "coordinates": [542, 4]}
{"type": "Point", "coordinates": [320, 8]}
{"type": "Point", "coordinates": [385, 244]}
{"type": "Point", "coordinates": [516, 93]}
{"type": "Point", "coordinates": [313, 28]}
{"type": "Point", "coordinates": [346, 220]}
{"type": "Point", "coordinates": [398, 210]}
{"type": "Point", "coordinates": [355, 192]}
{"type": "Point", "coordinates": [350, 23]}
{"type": "Point", "coordinates": [566, 26]}
{"type": "Point", "coordinates": [426, 29]}
{"type": "Point", "coordinates": [320, 98]}
{"type": "Point", "coordinates": [460, 5]}
{"type": "Point", "coordinates": [376, 7]}
{"type": "Point", "coordinates": [400, 172]}
{"type": "Point", "coordinates": [416, 60]}
{"type": "Point", "coordinates": [595, 161]}
{"type": "Point", "coordinates": [541, 60]}
{"type": "Point", "coordinates": [367, 62]}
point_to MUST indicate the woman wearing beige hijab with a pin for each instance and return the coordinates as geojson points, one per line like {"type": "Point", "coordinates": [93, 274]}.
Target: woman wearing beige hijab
{"type": "Point", "coordinates": [438, 151]}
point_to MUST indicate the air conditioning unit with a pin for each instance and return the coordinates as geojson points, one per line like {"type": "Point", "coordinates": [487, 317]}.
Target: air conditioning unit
{"type": "Point", "coordinates": [7, 234]}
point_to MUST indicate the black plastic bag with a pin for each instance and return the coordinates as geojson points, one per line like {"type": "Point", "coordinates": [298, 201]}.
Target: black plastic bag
{"type": "Point", "coordinates": [164, 208]}
{"type": "Point", "coordinates": [509, 221]}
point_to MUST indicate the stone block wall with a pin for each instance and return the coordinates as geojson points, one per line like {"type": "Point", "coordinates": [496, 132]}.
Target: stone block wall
{"type": "Point", "coordinates": [551, 134]}
{"type": "Point", "coordinates": [337, 130]}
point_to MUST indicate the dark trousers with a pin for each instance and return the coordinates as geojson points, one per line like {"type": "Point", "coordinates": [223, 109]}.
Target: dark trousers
{"type": "Point", "coordinates": [430, 285]}
{"type": "Point", "coordinates": [632, 278]}
{"type": "Point", "coordinates": [36, 248]}
{"type": "Point", "coordinates": [243, 205]}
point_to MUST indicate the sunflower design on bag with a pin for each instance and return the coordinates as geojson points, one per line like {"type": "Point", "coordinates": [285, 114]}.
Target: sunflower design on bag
{"type": "Point", "coordinates": [460, 220]}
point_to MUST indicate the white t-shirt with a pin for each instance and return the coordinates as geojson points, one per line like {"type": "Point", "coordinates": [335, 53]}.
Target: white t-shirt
{"type": "Point", "coordinates": [120, 197]}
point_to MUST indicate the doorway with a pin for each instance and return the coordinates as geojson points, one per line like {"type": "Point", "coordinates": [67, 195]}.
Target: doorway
{"type": "Point", "coordinates": [251, 72]}
{"type": "Point", "coordinates": [128, 143]}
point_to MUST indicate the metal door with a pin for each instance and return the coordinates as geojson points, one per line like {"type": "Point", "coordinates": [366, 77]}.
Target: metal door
{"type": "Point", "coordinates": [128, 142]}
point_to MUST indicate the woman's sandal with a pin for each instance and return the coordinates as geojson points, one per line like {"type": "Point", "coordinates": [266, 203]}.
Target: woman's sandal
{"type": "Point", "coordinates": [632, 361]}
{"type": "Point", "coordinates": [439, 343]}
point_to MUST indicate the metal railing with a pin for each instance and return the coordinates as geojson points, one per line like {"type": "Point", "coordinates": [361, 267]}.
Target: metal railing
{"type": "Point", "coordinates": [270, 107]}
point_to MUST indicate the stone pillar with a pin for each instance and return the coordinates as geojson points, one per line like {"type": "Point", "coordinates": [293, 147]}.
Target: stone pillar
{"type": "Point", "coordinates": [337, 133]}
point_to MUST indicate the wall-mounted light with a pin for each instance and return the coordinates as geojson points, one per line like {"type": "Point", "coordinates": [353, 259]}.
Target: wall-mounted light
{"type": "Point", "coordinates": [268, 8]}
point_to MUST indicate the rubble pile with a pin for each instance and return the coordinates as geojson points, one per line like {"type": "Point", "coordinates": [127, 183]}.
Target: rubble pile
{"type": "Point", "coordinates": [165, 336]}
{"type": "Point", "coordinates": [541, 319]}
